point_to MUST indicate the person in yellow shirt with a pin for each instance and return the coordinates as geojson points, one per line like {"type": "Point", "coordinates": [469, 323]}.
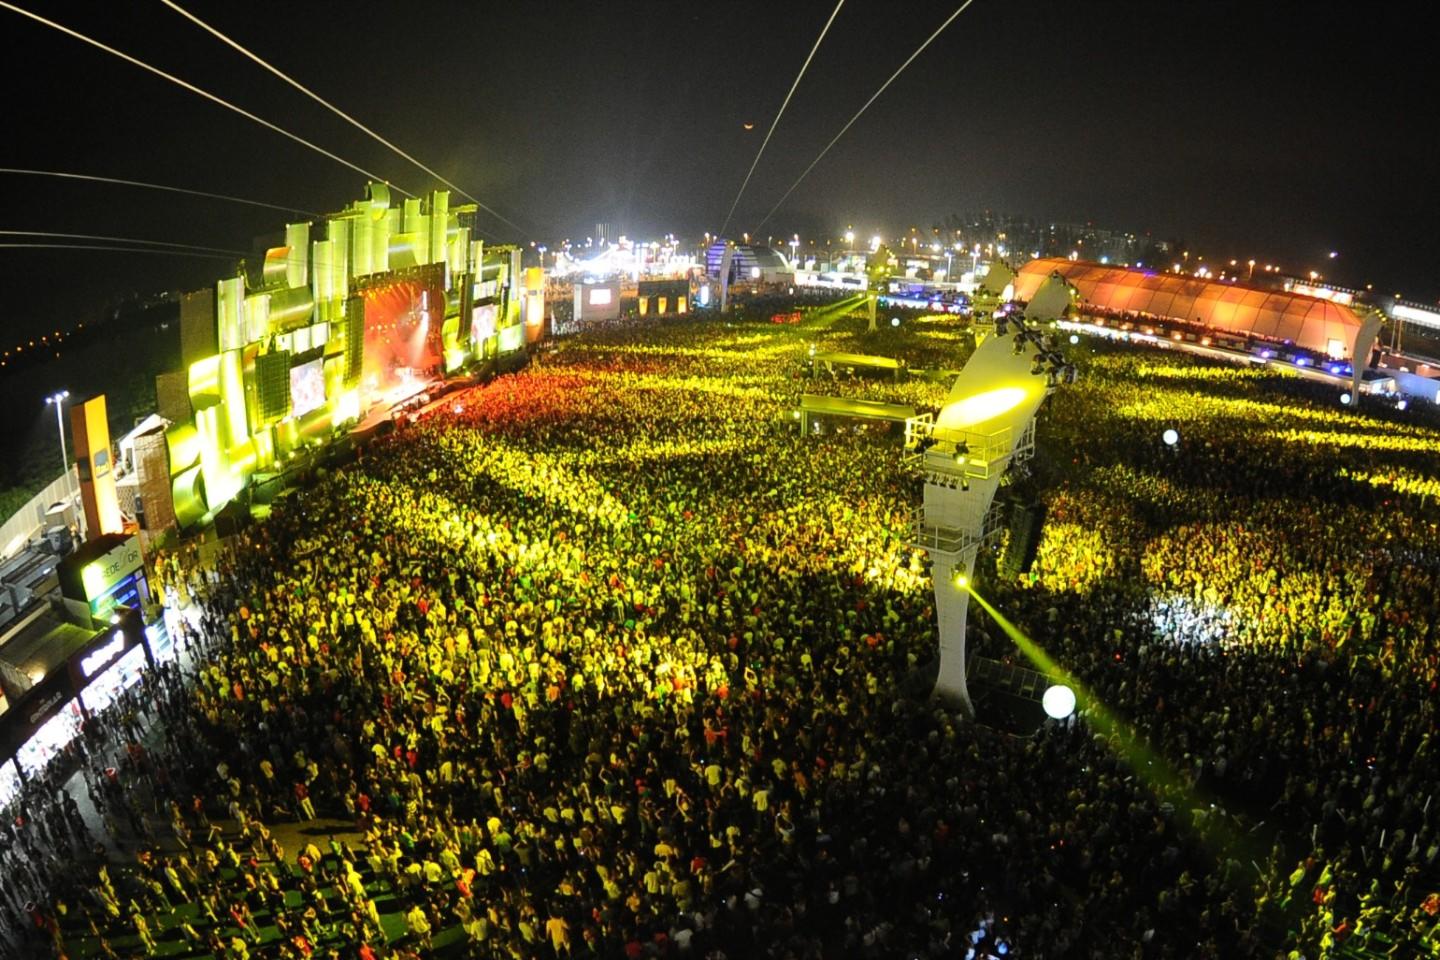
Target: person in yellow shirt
{"type": "Point", "coordinates": [559, 933]}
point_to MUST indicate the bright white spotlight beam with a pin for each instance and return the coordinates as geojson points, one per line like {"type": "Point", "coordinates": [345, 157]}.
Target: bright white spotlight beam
{"type": "Point", "coordinates": [326, 104]}
{"type": "Point", "coordinates": [153, 186]}
{"type": "Point", "coordinates": [919, 50]}
{"type": "Point", "coordinates": [132, 240]}
{"type": "Point", "coordinates": [776, 122]}
{"type": "Point", "coordinates": [193, 89]}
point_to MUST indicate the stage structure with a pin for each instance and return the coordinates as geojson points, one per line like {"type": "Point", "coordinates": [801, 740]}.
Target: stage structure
{"type": "Point", "coordinates": [986, 426]}
{"type": "Point", "coordinates": [351, 315]}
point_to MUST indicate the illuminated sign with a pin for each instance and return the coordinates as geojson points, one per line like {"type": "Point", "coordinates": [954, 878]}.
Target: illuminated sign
{"type": "Point", "coordinates": [102, 574]}
{"type": "Point", "coordinates": [94, 661]}
{"type": "Point", "coordinates": [44, 705]}
{"type": "Point", "coordinates": [90, 433]}
{"type": "Point", "coordinates": [130, 591]}
{"type": "Point", "coordinates": [599, 296]}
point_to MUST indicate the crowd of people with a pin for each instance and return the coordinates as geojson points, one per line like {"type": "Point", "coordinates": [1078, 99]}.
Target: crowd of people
{"type": "Point", "coordinates": [605, 659]}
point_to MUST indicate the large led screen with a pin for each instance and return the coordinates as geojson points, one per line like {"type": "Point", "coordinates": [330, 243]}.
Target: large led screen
{"type": "Point", "coordinates": [482, 324]}
{"type": "Point", "coordinates": [307, 387]}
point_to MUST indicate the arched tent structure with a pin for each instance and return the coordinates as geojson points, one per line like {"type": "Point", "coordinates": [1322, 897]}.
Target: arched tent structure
{"type": "Point", "coordinates": [1236, 308]}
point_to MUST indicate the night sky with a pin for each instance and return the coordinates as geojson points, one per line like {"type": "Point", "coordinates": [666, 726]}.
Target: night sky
{"type": "Point", "coordinates": [1280, 131]}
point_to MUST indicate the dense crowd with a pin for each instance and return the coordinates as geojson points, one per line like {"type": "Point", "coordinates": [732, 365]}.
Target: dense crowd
{"type": "Point", "coordinates": [603, 659]}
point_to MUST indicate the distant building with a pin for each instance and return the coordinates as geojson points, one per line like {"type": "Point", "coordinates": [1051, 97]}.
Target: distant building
{"type": "Point", "coordinates": [751, 263]}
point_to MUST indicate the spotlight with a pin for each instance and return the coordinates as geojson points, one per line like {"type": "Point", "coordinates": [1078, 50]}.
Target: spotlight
{"type": "Point", "coordinates": [961, 581]}
{"type": "Point", "coordinates": [1401, 404]}
{"type": "Point", "coordinates": [1058, 701]}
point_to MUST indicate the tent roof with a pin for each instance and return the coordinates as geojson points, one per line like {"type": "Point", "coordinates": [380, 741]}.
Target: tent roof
{"type": "Point", "coordinates": [1233, 307]}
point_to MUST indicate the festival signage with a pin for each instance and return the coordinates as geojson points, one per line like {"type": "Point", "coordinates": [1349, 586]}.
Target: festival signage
{"type": "Point", "coordinates": [32, 711]}
{"type": "Point", "coordinates": [110, 645]}
{"type": "Point", "coordinates": [100, 574]}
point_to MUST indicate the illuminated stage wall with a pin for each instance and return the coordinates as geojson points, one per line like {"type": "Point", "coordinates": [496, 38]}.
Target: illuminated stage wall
{"type": "Point", "coordinates": [348, 313]}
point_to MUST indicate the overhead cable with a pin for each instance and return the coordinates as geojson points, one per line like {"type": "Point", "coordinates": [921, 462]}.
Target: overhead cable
{"type": "Point", "coordinates": [113, 249]}
{"type": "Point", "coordinates": [875, 96]}
{"type": "Point", "coordinates": [776, 122]}
{"type": "Point", "coordinates": [223, 38]}
{"type": "Point", "coordinates": [153, 186]}
{"type": "Point", "coordinates": [134, 240]}
{"type": "Point", "coordinates": [194, 89]}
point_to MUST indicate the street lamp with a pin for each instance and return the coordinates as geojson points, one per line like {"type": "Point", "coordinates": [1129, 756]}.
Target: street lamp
{"type": "Point", "coordinates": [58, 400]}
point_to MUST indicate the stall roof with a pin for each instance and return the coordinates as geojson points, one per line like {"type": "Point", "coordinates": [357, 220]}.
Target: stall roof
{"type": "Point", "coordinates": [845, 407]}
{"type": "Point", "coordinates": [44, 643]}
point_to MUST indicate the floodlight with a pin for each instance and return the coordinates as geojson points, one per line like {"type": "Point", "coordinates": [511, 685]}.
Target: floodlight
{"type": "Point", "coordinates": [1058, 701]}
{"type": "Point", "coordinates": [1401, 404]}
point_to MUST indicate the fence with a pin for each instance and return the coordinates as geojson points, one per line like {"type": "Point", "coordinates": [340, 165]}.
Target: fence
{"type": "Point", "coordinates": [30, 519]}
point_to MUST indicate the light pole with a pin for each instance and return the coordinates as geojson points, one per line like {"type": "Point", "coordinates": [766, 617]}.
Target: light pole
{"type": "Point", "coordinates": [58, 400]}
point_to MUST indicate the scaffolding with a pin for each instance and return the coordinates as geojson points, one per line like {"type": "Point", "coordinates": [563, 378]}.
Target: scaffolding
{"type": "Point", "coordinates": [954, 540]}
{"type": "Point", "coordinates": [951, 458]}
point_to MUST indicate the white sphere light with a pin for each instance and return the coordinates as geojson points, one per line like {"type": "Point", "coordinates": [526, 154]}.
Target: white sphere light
{"type": "Point", "coordinates": [894, 321]}
{"type": "Point", "coordinates": [1074, 338]}
{"type": "Point", "coordinates": [1345, 398]}
{"type": "Point", "coordinates": [1058, 701]}
{"type": "Point", "coordinates": [1171, 437]}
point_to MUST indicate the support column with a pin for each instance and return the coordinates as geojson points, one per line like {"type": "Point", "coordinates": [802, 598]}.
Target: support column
{"type": "Point", "coordinates": [952, 607]}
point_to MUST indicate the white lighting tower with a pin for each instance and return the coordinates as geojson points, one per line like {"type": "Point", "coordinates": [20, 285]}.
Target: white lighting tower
{"type": "Point", "coordinates": [986, 425]}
